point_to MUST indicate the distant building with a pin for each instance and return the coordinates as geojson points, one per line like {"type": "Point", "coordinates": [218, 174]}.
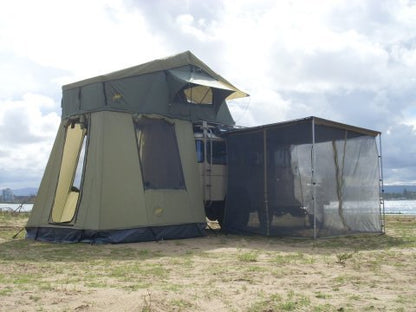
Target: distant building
{"type": "Point", "coordinates": [8, 195]}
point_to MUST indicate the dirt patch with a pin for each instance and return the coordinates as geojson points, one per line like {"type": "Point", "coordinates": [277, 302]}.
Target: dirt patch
{"type": "Point", "coordinates": [214, 273]}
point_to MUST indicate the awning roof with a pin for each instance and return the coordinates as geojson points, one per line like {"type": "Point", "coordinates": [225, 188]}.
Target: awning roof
{"type": "Point", "coordinates": [317, 121]}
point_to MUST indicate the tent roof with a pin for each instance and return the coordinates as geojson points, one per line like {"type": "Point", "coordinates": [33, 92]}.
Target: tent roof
{"type": "Point", "coordinates": [179, 60]}
{"type": "Point", "coordinates": [317, 120]}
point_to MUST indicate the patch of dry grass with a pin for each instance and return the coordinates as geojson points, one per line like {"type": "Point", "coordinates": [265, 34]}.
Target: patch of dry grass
{"type": "Point", "coordinates": [217, 272]}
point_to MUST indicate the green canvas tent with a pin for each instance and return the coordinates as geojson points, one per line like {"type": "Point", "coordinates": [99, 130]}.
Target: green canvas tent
{"type": "Point", "coordinates": [123, 166]}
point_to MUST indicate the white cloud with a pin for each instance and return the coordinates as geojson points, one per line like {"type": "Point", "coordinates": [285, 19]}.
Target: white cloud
{"type": "Point", "coordinates": [352, 61]}
{"type": "Point", "coordinates": [410, 120]}
{"type": "Point", "coordinates": [19, 75]}
{"type": "Point", "coordinates": [84, 37]}
{"type": "Point", "coordinates": [198, 29]}
{"type": "Point", "coordinates": [26, 137]}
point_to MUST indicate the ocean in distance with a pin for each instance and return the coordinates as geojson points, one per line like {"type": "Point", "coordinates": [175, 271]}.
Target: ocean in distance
{"type": "Point", "coordinates": [406, 207]}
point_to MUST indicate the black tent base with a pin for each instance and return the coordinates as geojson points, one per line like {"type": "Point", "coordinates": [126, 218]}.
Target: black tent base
{"type": "Point", "coordinates": [155, 233]}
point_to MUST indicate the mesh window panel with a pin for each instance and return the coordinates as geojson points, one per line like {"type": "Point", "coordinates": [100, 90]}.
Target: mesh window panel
{"type": "Point", "coordinates": [159, 154]}
{"type": "Point", "coordinates": [288, 176]}
{"type": "Point", "coordinates": [347, 193]}
{"type": "Point", "coordinates": [245, 193]}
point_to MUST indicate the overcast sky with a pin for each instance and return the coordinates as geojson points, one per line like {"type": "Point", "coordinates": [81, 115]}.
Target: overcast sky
{"type": "Point", "coordinates": [348, 61]}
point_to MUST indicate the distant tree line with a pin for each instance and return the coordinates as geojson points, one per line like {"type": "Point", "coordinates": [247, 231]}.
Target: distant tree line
{"type": "Point", "coordinates": [403, 195]}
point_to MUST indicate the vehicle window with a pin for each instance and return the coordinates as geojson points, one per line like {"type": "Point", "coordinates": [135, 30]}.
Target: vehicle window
{"type": "Point", "coordinates": [199, 145]}
{"type": "Point", "coordinates": [219, 152]}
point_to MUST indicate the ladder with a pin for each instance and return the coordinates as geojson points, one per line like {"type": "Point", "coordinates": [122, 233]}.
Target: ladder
{"type": "Point", "coordinates": [207, 170]}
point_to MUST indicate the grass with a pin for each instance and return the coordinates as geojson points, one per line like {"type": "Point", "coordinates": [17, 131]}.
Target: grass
{"type": "Point", "coordinates": [248, 257]}
{"type": "Point", "coordinates": [218, 272]}
{"type": "Point", "coordinates": [277, 302]}
{"type": "Point", "coordinates": [343, 257]}
{"type": "Point", "coordinates": [292, 258]}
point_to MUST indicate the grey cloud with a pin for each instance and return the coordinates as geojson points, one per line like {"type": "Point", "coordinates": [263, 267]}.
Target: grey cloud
{"type": "Point", "coordinates": [373, 17]}
{"type": "Point", "coordinates": [377, 110]}
{"type": "Point", "coordinates": [162, 14]}
{"type": "Point", "coordinates": [375, 89]}
{"type": "Point", "coordinates": [20, 75]}
{"type": "Point", "coordinates": [400, 176]}
{"type": "Point", "coordinates": [344, 68]}
{"type": "Point", "coordinates": [16, 129]}
{"type": "Point", "coordinates": [18, 178]}
{"type": "Point", "coordinates": [400, 150]}
{"type": "Point", "coordinates": [4, 154]}
{"type": "Point", "coordinates": [161, 17]}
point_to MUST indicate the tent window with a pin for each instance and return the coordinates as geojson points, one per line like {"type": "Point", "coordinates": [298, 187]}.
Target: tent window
{"type": "Point", "coordinates": [80, 168]}
{"type": "Point", "coordinates": [159, 154]}
{"type": "Point", "coordinates": [195, 94]}
{"type": "Point", "coordinates": [67, 193]}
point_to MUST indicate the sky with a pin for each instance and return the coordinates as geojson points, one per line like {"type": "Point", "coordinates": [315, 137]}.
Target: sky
{"type": "Point", "coordinates": [351, 61]}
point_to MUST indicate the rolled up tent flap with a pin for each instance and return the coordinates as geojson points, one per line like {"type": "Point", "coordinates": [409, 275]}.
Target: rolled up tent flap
{"type": "Point", "coordinates": [198, 87]}
{"type": "Point", "coordinates": [199, 78]}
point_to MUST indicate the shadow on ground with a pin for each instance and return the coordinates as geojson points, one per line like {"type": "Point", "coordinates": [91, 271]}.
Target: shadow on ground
{"type": "Point", "coordinates": [20, 249]}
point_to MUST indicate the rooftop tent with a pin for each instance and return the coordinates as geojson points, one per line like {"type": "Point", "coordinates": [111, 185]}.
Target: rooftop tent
{"type": "Point", "coordinates": [123, 166]}
{"type": "Point", "coordinates": [310, 177]}
{"type": "Point", "coordinates": [180, 87]}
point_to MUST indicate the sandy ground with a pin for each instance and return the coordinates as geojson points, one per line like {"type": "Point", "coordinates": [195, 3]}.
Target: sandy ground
{"type": "Point", "coordinates": [213, 273]}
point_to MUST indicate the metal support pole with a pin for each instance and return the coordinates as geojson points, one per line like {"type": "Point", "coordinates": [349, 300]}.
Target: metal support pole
{"type": "Point", "coordinates": [204, 164]}
{"type": "Point", "coordinates": [209, 171]}
{"type": "Point", "coordinates": [266, 200]}
{"type": "Point", "coordinates": [381, 186]}
{"type": "Point", "coordinates": [313, 179]}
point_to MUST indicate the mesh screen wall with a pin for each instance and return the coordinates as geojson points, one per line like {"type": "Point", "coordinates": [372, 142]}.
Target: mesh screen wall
{"type": "Point", "coordinates": [307, 178]}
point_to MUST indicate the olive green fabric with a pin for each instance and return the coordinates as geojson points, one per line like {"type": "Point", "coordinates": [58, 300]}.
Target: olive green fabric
{"type": "Point", "coordinates": [179, 60]}
{"type": "Point", "coordinates": [155, 88]}
{"type": "Point", "coordinates": [45, 197]}
{"type": "Point", "coordinates": [112, 195]}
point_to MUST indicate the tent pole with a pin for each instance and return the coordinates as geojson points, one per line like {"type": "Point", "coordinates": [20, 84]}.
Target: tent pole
{"type": "Point", "coordinates": [381, 187]}
{"type": "Point", "coordinates": [266, 201]}
{"type": "Point", "coordinates": [204, 164]}
{"type": "Point", "coordinates": [313, 179]}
